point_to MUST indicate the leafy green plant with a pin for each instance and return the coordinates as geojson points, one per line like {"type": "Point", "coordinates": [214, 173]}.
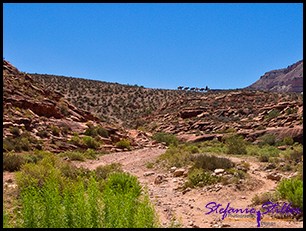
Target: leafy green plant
{"type": "Point", "coordinates": [268, 138]}
{"type": "Point", "coordinates": [197, 175]}
{"type": "Point", "coordinates": [288, 140]}
{"type": "Point", "coordinates": [55, 130]}
{"type": "Point", "coordinates": [175, 156]}
{"type": "Point", "coordinates": [103, 171]}
{"type": "Point", "coordinates": [90, 142]}
{"type": "Point", "coordinates": [13, 161]}
{"type": "Point", "coordinates": [211, 162]}
{"type": "Point", "coordinates": [166, 137]}
{"type": "Point", "coordinates": [272, 114]}
{"type": "Point", "coordinates": [292, 190]}
{"type": "Point", "coordinates": [124, 143]}
{"type": "Point", "coordinates": [73, 155]}
{"type": "Point", "coordinates": [15, 131]}
{"type": "Point", "coordinates": [262, 198]}
{"type": "Point", "coordinates": [235, 144]}
{"type": "Point", "coordinates": [124, 204]}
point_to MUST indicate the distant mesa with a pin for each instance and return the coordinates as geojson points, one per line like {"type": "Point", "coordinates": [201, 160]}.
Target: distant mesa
{"type": "Point", "coordinates": [288, 79]}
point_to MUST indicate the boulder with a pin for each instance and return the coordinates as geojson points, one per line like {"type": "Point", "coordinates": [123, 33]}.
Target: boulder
{"type": "Point", "coordinates": [179, 172]}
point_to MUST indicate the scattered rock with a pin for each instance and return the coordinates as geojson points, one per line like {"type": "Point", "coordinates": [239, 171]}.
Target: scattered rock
{"type": "Point", "coordinates": [274, 176]}
{"type": "Point", "coordinates": [158, 179]}
{"type": "Point", "coordinates": [148, 173]}
{"type": "Point", "coordinates": [186, 190]}
{"type": "Point", "coordinates": [219, 170]}
{"type": "Point", "coordinates": [178, 172]}
{"type": "Point", "coordinates": [172, 169]}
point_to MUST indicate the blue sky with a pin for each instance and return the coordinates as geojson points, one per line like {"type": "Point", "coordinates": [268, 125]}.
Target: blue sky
{"type": "Point", "coordinates": [156, 45]}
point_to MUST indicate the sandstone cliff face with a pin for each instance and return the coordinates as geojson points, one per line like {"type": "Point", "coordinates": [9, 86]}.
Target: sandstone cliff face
{"type": "Point", "coordinates": [288, 79]}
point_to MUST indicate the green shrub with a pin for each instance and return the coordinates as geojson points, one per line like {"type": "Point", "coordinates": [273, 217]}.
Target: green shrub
{"type": "Point", "coordinates": [73, 155]}
{"type": "Point", "coordinates": [43, 134]}
{"type": "Point", "coordinates": [211, 162]}
{"type": "Point", "coordinates": [166, 138]}
{"type": "Point", "coordinates": [264, 158]}
{"type": "Point", "coordinates": [5, 220]}
{"type": "Point", "coordinates": [91, 131]}
{"type": "Point", "coordinates": [175, 156]}
{"type": "Point", "coordinates": [267, 139]}
{"type": "Point", "coordinates": [91, 154]}
{"type": "Point", "coordinates": [124, 143]}
{"type": "Point", "coordinates": [102, 132]}
{"type": "Point", "coordinates": [197, 175]}
{"type": "Point", "coordinates": [15, 131]}
{"type": "Point", "coordinates": [292, 190]}
{"type": "Point", "coordinates": [272, 114]}
{"type": "Point", "coordinates": [12, 161]}
{"type": "Point", "coordinates": [75, 140]}
{"type": "Point", "coordinates": [260, 199]}
{"type": "Point", "coordinates": [34, 175]}
{"type": "Point", "coordinates": [55, 130]}
{"type": "Point", "coordinates": [193, 149]}
{"type": "Point", "coordinates": [102, 172]}
{"type": "Point", "coordinates": [90, 142]}
{"type": "Point", "coordinates": [124, 204]}
{"type": "Point", "coordinates": [95, 131]}
{"type": "Point", "coordinates": [295, 156]}
{"type": "Point", "coordinates": [288, 140]}
{"type": "Point", "coordinates": [235, 145]}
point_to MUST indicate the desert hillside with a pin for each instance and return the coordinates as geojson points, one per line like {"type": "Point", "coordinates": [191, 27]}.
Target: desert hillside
{"type": "Point", "coordinates": [288, 79]}
{"type": "Point", "coordinates": [37, 118]}
{"type": "Point", "coordinates": [192, 115]}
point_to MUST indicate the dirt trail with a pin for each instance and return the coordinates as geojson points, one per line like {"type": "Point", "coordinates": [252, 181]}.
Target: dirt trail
{"type": "Point", "coordinates": [189, 207]}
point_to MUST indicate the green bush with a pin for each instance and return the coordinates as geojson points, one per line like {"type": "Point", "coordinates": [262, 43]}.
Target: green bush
{"type": "Point", "coordinates": [166, 138]}
{"type": "Point", "coordinates": [124, 143]}
{"type": "Point", "coordinates": [292, 190]}
{"type": "Point", "coordinates": [43, 134]}
{"type": "Point", "coordinates": [260, 199]}
{"type": "Point", "coordinates": [211, 162]}
{"type": "Point", "coordinates": [197, 175]}
{"type": "Point", "coordinates": [264, 158]}
{"type": "Point", "coordinates": [73, 155]}
{"type": "Point", "coordinates": [288, 140]}
{"type": "Point", "coordinates": [235, 144]}
{"type": "Point", "coordinates": [90, 142]}
{"type": "Point", "coordinates": [75, 140]}
{"type": "Point", "coordinates": [269, 139]}
{"type": "Point", "coordinates": [91, 131]}
{"type": "Point", "coordinates": [295, 156]}
{"type": "Point", "coordinates": [55, 130]}
{"type": "Point", "coordinates": [124, 204]}
{"type": "Point", "coordinates": [34, 175]}
{"type": "Point", "coordinates": [175, 156]}
{"type": "Point", "coordinates": [102, 172]}
{"type": "Point", "coordinates": [13, 161]}
{"type": "Point", "coordinates": [15, 131]}
{"type": "Point", "coordinates": [95, 131]}
{"type": "Point", "coordinates": [102, 132]}
{"type": "Point", "coordinates": [272, 114]}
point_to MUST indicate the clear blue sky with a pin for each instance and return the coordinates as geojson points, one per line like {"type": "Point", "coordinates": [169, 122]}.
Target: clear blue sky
{"type": "Point", "coordinates": [155, 45]}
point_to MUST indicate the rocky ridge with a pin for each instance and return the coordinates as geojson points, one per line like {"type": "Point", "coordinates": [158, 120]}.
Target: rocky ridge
{"type": "Point", "coordinates": [288, 79]}
{"type": "Point", "coordinates": [47, 120]}
{"type": "Point", "coordinates": [249, 113]}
